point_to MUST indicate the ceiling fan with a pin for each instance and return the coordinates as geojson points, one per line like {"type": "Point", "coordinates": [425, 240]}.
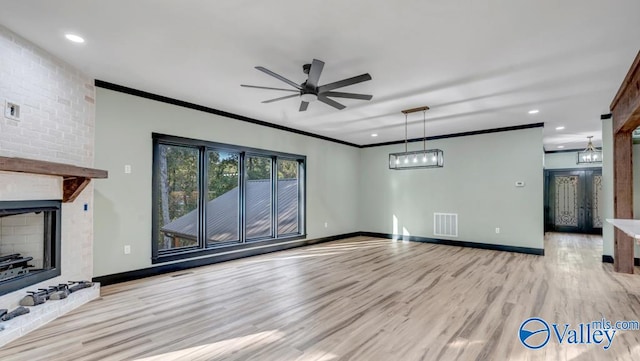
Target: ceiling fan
{"type": "Point", "coordinates": [310, 91]}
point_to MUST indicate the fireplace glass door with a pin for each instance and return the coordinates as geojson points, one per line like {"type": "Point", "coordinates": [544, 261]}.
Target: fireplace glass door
{"type": "Point", "coordinates": [29, 243]}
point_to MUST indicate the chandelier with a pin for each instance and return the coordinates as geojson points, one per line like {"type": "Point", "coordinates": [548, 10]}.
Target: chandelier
{"type": "Point", "coordinates": [590, 154]}
{"type": "Point", "coordinates": [425, 158]}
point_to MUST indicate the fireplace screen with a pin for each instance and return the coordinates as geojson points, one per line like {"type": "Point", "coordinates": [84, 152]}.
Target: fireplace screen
{"type": "Point", "coordinates": [29, 243]}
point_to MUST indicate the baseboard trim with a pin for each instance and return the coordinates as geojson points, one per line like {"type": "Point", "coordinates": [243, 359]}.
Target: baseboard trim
{"type": "Point", "coordinates": [448, 242]}
{"type": "Point", "coordinates": [609, 259]}
{"type": "Point", "coordinates": [192, 263]}
{"type": "Point", "coordinates": [217, 258]}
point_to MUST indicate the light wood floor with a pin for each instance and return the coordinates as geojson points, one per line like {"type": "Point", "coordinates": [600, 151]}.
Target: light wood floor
{"type": "Point", "coordinates": [356, 299]}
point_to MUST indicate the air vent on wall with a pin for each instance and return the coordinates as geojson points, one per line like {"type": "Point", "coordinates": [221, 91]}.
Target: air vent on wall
{"type": "Point", "coordinates": [445, 224]}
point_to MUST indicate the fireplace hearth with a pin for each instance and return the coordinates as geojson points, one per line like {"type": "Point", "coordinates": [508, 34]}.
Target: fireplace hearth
{"type": "Point", "coordinates": [29, 243]}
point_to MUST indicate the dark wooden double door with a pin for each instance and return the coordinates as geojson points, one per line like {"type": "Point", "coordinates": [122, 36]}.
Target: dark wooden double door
{"type": "Point", "coordinates": [573, 201]}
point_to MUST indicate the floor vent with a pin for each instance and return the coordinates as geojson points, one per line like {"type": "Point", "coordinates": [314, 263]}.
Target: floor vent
{"type": "Point", "coordinates": [445, 224]}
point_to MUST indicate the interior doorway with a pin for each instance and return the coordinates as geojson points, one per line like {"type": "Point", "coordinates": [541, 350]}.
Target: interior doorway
{"type": "Point", "coordinates": [573, 200]}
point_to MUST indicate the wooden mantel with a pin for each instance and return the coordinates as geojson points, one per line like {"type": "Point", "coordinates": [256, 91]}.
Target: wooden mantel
{"type": "Point", "coordinates": [75, 179]}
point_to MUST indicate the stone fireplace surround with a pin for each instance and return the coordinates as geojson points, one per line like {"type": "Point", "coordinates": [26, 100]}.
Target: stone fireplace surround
{"type": "Point", "coordinates": [28, 186]}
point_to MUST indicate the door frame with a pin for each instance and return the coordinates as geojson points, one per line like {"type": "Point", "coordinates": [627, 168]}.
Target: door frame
{"type": "Point", "coordinates": [585, 222]}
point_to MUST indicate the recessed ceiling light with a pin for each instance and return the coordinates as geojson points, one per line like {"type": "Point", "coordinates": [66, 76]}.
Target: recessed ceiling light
{"type": "Point", "coordinates": [74, 38]}
{"type": "Point", "coordinates": [560, 146]}
{"type": "Point", "coordinates": [534, 111]}
{"type": "Point", "coordinates": [560, 128]}
{"type": "Point", "coordinates": [374, 134]}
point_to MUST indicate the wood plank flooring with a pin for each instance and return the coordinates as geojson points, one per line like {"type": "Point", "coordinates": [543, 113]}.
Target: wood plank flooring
{"type": "Point", "coordinates": [355, 299]}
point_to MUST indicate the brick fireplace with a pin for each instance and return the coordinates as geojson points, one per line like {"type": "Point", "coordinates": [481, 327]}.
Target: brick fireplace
{"type": "Point", "coordinates": [57, 122]}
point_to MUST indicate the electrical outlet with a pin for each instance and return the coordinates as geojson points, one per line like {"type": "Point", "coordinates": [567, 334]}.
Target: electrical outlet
{"type": "Point", "coordinates": [127, 249]}
{"type": "Point", "coordinates": [127, 169]}
{"type": "Point", "coordinates": [497, 229]}
{"type": "Point", "coordinates": [12, 110]}
{"type": "Point", "coordinates": [326, 224]}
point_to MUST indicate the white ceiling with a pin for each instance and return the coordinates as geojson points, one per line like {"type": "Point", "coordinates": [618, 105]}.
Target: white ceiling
{"type": "Point", "coordinates": [478, 64]}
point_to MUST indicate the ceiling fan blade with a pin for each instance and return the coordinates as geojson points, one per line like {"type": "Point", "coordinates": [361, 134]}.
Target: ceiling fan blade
{"type": "Point", "coordinates": [331, 102]}
{"type": "Point", "coordinates": [347, 95]}
{"type": "Point", "coordinates": [269, 88]}
{"type": "Point", "coordinates": [344, 82]}
{"type": "Point", "coordinates": [281, 98]}
{"type": "Point", "coordinates": [278, 76]}
{"type": "Point", "coordinates": [303, 106]}
{"type": "Point", "coordinates": [314, 73]}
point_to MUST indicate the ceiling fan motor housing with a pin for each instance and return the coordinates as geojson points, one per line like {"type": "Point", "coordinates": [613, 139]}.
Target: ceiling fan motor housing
{"type": "Point", "coordinates": [307, 96]}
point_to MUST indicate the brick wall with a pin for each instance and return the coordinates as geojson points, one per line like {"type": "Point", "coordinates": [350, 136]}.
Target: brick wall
{"type": "Point", "coordinates": [57, 105]}
{"type": "Point", "coordinates": [57, 124]}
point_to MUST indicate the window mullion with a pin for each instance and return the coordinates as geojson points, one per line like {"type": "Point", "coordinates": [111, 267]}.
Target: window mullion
{"type": "Point", "coordinates": [203, 185]}
{"type": "Point", "coordinates": [155, 196]}
{"type": "Point", "coordinates": [274, 197]}
{"type": "Point", "coordinates": [301, 197]}
{"type": "Point", "coordinates": [242, 206]}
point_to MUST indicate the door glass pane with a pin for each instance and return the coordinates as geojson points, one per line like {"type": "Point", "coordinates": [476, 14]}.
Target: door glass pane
{"type": "Point", "coordinates": [566, 200]}
{"type": "Point", "coordinates": [222, 197]}
{"type": "Point", "coordinates": [178, 201]}
{"type": "Point", "coordinates": [258, 197]}
{"type": "Point", "coordinates": [287, 197]}
{"type": "Point", "coordinates": [596, 201]}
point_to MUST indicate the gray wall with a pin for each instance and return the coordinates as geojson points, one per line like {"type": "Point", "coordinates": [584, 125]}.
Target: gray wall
{"type": "Point", "coordinates": [477, 182]}
{"type": "Point", "coordinates": [349, 188]}
{"type": "Point", "coordinates": [124, 124]}
{"type": "Point", "coordinates": [564, 160]}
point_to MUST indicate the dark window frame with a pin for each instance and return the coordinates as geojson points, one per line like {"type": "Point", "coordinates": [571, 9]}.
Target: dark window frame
{"type": "Point", "coordinates": [300, 193]}
{"type": "Point", "coordinates": [206, 248]}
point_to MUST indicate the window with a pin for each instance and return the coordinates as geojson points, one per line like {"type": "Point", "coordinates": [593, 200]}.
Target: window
{"type": "Point", "coordinates": [209, 197]}
{"type": "Point", "coordinates": [288, 199]}
{"type": "Point", "coordinates": [259, 197]}
{"type": "Point", "coordinates": [223, 181]}
{"type": "Point", "coordinates": [178, 201]}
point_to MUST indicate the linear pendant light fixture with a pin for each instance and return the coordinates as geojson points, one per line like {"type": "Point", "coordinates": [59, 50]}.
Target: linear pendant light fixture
{"type": "Point", "coordinates": [425, 158]}
{"type": "Point", "coordinates": [590, 154]}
